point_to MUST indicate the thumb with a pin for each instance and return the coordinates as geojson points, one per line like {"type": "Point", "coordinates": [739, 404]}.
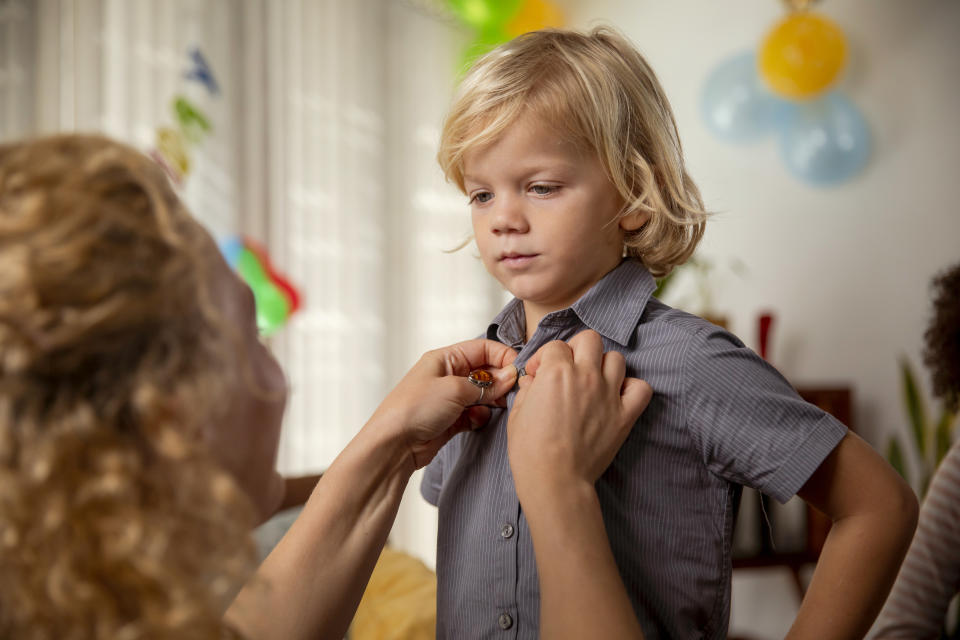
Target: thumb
{"type": "Point", "coordinates": [635, 394]}
{"type": "Point", "coordinates": [533, 363]}
{"type": "Point", "coordinates": [523, 388]}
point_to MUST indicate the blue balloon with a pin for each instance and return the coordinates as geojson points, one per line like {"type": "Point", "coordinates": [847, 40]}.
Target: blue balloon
{"type": "Point", "coordinates": [735, 104]}
{"type": "Point", "coordinates": [231, 247]}
{"type": "Point", "coordinates": [825, 141]}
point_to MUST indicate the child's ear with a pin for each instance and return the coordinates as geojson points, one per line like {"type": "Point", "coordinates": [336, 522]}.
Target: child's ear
{"type": "Point", "coordinates": [634, 220]}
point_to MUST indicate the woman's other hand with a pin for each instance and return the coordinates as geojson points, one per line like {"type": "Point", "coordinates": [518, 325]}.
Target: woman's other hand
{"type": "Point", "coordinates": [574, 410]}
{"type": "Point", "coordinates": [435, 400]}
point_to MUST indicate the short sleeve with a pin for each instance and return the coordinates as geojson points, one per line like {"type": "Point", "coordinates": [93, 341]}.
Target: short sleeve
{"type": "Point", "coordinates": [751, 426]}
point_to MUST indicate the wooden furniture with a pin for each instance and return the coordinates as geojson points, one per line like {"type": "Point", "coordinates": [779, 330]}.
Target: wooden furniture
{"type": "Point", "coordinates": [838, 402]}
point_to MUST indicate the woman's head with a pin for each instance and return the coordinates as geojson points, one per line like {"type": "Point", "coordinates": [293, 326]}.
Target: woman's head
{"type": "Point", "coordinates": [597, 92]}
{"type": "Point", "coordinates": [119, 329]}
{"type": "Point", "coordinates": [942, 338]}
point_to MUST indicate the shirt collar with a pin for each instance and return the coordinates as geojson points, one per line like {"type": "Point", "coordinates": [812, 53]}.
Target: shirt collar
{"type": "Point", "coordinates": [509, 327]}
{"type": "Point", "coordinates": [612, 307]}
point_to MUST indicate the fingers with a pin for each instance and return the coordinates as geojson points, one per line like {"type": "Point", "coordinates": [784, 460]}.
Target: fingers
{"type": "Point", "coordinates": [463, 357]}
{"type": "Point", "coordinates": [635, 396]}
{"type": "Point", "coordinates": [614, 368]}
{"type": "Point", "coordinates": [555, 353]}
{"type": "Point", "coordinates": [587, 347]}
{"type": "Point", "coordinates": [477, 416]}
{"type": "Point", "coordinates": [533, 363]}
{"type": "Point", "coordinates": [584, 348]}
{"type": "Point", "coordinates": [552, 353]}
{"type": "Point", "coordinates": [523, 386]}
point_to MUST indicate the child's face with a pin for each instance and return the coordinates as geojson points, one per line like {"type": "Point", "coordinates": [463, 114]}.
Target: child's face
{"type": "Point", "coordinates": [544, 215]}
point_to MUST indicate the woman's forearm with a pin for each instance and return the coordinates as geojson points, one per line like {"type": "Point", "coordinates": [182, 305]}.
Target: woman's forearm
{"type": "Point", "coordinates": [310, 584]}
{"type": "Point", "coordinates": [571, 415]}
{"type": "Point", "coordinates": [581, 592]}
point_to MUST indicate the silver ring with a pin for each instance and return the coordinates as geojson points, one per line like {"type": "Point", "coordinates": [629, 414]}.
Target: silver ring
{"type": "Point", "coordinates": [480, 378]}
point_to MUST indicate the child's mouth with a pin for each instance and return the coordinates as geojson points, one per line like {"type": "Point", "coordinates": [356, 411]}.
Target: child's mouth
{"type": "Point", "coordinates": [517, 260]}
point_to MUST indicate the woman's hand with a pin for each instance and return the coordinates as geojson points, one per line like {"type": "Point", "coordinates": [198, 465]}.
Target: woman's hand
{"type": "Point", "coordinates": [435, 401]}
{"type": "Point", "coordinates": [310, 584]}
{"type": "Point", "coordinates": [574, 410]}
{"type": "Point", "coordinates": [572, 414]}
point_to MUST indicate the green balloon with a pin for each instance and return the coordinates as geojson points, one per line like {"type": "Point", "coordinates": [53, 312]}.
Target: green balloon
{"type": "Point", "coordinates": [483, 43]}
{"type": "Point", "coordinates": [484, 14]}
{"type": "Point", "coordinates": [272, 308]}
{"type": "Point", "coordinates": [250, 269]}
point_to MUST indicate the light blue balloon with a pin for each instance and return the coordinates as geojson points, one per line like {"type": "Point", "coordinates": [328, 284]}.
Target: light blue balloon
{"type": "Point", "coordinates": [231, 247]}
{"type": "Point", "coordinates": [825, 141]}
{"type": "Point", "coordinates": [735, 104]}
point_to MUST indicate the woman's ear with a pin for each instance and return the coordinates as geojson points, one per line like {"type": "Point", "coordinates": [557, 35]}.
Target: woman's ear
{"type": "Point", "coordinates": [634, 220]}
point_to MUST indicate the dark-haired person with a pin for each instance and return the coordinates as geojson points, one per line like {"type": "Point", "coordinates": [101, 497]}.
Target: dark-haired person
{"type": "Point", "coordinates": [930, 575]}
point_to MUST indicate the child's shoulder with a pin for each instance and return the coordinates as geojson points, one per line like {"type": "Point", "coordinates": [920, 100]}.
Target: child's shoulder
{"type": "Point", "coordinates": [660, 316]}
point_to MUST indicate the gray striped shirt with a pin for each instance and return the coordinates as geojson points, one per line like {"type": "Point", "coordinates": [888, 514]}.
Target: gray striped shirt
{"type": "Point", "coordinates": [720, 418]}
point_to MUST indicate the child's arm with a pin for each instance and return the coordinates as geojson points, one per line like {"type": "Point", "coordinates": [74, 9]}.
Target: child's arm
{"type": "Point", "coordinates": [874, 515]}
{"type": "Point", "coordinates": [568, 421]}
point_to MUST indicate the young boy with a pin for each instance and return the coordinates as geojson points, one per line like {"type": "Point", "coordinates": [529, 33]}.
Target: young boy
{"type": "Point", "coordinates": [567, 149]}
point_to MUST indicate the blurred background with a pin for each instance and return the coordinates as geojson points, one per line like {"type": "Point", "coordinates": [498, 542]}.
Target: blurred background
{"type": "Point", "coordinates": [310, 127]}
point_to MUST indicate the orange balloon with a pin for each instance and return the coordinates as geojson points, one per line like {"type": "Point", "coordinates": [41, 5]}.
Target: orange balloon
{"type": "Point", "coordinates": [802, 55]}
{"type": "Point", "coordinates": [533, 15]}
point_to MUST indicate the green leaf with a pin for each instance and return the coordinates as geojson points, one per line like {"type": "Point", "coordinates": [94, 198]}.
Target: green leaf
{"type": "Point", "coordinates": [943, 432]}
{"type": "Point", "coordinates": [916, 411]}
{"type": "Point", "coordinates": [895, 458]}
{"type": "Point", "coordinates": [663, 284]}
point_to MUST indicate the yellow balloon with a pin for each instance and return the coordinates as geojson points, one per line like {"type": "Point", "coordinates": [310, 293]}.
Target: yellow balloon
{"type": "Point", "coordinates": [802, 55]}
{"type": "Point", "coordinates": [533, 15]}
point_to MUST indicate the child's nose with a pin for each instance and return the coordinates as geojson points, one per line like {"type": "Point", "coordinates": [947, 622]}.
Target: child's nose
{"type": "Point", "coordinates": [509, 215]}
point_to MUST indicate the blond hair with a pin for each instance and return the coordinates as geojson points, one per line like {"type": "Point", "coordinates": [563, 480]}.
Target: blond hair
{"type": "Point", "coordinates": [115, 521]}
{"type": "Point", "coordinates": [602, 96]}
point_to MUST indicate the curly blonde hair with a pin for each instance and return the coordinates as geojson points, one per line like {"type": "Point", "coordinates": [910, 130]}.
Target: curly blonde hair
{"type": "Point", "coordinates": [599, 92]}
{"type": "Point", "coordinates": [115, 521]}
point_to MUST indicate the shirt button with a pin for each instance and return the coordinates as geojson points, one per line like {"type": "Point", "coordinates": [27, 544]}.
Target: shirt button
{"type": "Point", "coordinates": [505, 621]}
{"type": "Point", "coordinates": [506, 530]}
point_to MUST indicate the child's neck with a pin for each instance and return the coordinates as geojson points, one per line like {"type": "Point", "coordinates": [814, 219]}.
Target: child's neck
{"type": "Point", "coordinates": [533, 314]}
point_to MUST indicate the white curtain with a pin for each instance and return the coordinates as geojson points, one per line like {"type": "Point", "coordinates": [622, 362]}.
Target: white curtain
{"type": "Point", "coordinates": [324, 133]}
{"type": "Point", "coordinates": [16, 66]}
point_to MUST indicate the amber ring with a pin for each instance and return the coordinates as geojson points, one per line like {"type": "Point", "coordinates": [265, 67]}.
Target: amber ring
{"type": "Point", "coordinates": [480, 378]}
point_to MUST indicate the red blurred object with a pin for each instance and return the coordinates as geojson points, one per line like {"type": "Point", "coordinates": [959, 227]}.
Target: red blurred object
{"type": "Point", "coordinates": [765, 322]}
{"type": "Point", "coordinates": [289, 291]}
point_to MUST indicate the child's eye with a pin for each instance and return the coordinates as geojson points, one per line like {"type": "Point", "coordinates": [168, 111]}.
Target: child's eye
{"type": "Point", "coordinates": [543, 189]}
{"type": "Point", "coordinates": [480, 197]}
